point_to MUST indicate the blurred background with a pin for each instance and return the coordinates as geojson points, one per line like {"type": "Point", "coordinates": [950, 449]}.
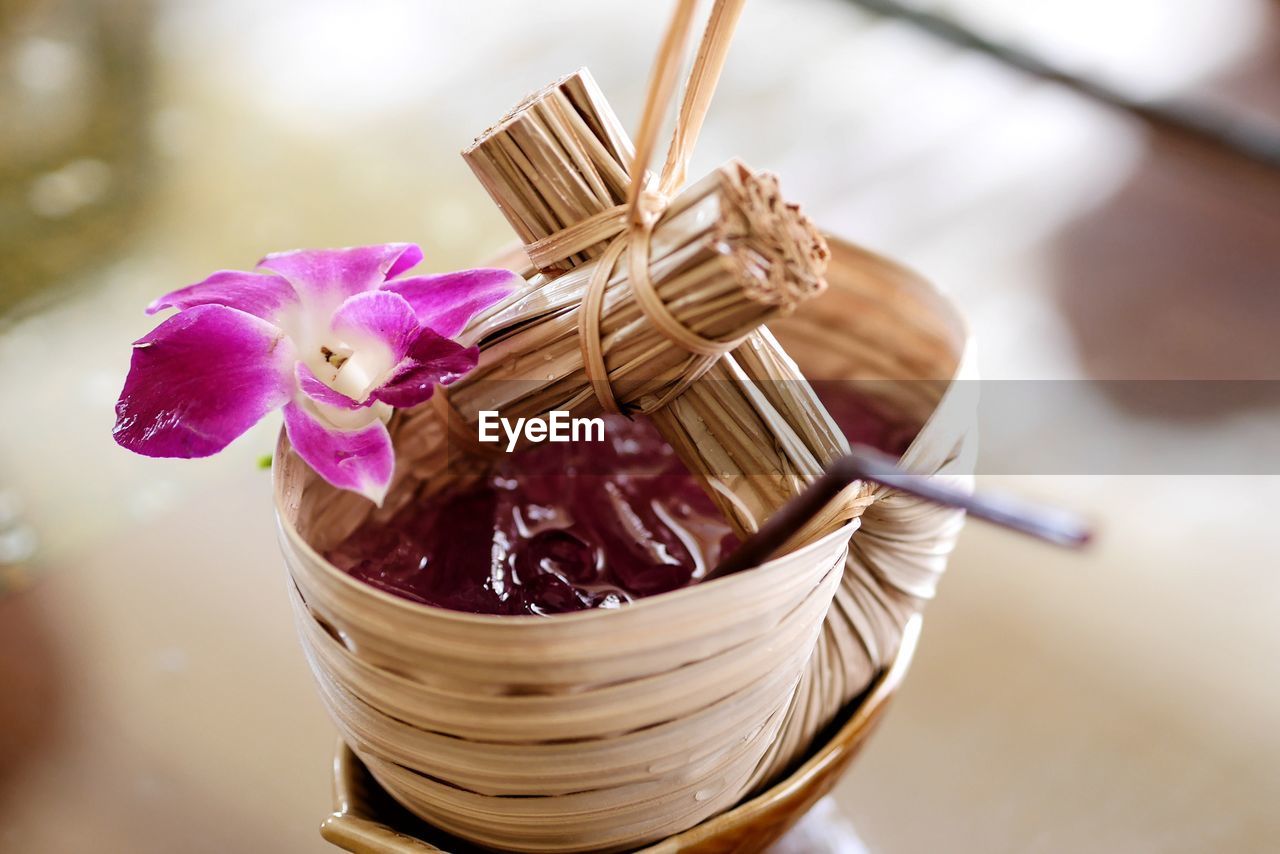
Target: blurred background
{"type": "Point", "coordinates": [154, 698]}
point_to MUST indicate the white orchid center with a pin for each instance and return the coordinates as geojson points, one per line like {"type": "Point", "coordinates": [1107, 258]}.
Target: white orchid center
{"type": "Point", "coordinates": [355, 368]}
{"type": "Point", "coordinates": [356, 372]}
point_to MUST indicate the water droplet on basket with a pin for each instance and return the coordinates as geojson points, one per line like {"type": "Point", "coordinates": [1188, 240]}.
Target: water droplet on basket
{"type": "Point", "coordinates": [668, 766]}
{"type": "Point", "coordinates": [703, 794]}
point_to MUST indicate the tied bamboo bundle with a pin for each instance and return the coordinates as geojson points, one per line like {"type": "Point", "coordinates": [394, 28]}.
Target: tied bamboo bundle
{"type": "Point", "coordinates": [726, 256]}
{"type": "Point", "coordinates": [551, 166]}
{"type": "Point", "coordinates": [716, 425]}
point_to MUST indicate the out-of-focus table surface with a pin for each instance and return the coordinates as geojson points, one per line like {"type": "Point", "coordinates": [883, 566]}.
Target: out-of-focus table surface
{"type": "Point", "coordinates": [153, 696]}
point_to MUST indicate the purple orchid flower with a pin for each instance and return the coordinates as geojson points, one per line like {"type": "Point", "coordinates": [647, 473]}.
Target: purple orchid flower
{"type": "Point", "coordinates": [335, 336]}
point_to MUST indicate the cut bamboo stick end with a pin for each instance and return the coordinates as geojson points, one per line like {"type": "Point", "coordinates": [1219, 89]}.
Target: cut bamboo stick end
{"type": "Point", "coordinates": [780, 255]}
{"type": "Point", "coordinates": [558, 158]}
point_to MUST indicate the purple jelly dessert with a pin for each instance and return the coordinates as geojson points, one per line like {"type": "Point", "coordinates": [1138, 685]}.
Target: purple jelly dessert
{"type": "Point", "coordinates": [555, 528]}
{"type": "Point", "coordinates": [569, 526]}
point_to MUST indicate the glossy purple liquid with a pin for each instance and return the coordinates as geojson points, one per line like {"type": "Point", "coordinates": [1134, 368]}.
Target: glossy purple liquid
{"type": "Point", "coordinates": [565, 527]}
{"type": "Point", "coordinates": [556, 528]}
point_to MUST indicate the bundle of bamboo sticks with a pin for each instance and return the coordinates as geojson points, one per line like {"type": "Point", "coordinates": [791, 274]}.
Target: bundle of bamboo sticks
{"type": "Point", "coordinates": [717, 425]}
{"type": "Point", "coordinates": [726, 255]}
{"type": "Point", "coordinates": [720, 260]}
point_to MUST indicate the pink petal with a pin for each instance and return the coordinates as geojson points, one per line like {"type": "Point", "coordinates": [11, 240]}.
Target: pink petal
{"type": "Point", "coordinates": [359, 460]}
{"type": "Point", "coordinates": [431, 359]}
{"type": "Point", "coordinates": [259, 294]}
{"type": "Point", "coordinates": [331, 275]}
{"type": "Point", "coordinates": [410, 258]}
{"type": "Point", "coordinates": [447, 302]}
{"type": "Point", "coordinates": [313, 388]}
{"type": "Point", "coordinates": [379, 315]}
{"type": "Point", "coordinates": [199, 380]}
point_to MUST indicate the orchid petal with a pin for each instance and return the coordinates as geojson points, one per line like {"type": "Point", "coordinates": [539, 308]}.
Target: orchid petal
{"type": "Point", "coordinates": [260, 294]}
{"type": "Point", "coordinates": [447, 302]}
{"type": "Point", "coordinates": [328, 276]}
{"type": "Point", "coordinates": [360, 460]}
{"type": "Point", "coordinates": [409, 258]}
{"type": "Point", "coordinates": [378, 316]}
{"type": "Point", "coordinates": [431, 359]}
{"type": "Point", "coordinates": [312, 387]}
{"type": "Point", "coordinates": [199, 380]}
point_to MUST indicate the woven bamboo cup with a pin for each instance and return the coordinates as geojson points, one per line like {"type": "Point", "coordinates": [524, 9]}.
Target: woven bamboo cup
{"type": "Point", "coordinates": [613, 730]}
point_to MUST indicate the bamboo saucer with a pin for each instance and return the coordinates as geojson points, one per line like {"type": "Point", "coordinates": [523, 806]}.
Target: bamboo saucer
{"type": "Point", "coordinates": [365, 819]}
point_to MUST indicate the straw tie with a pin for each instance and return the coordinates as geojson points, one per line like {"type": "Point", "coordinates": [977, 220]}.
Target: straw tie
{"type": "Point", "coordinates": [629, 227]}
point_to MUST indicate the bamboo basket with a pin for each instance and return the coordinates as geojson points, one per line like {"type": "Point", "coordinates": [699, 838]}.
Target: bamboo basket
{"type": "Point", "coordinates": [612, 730]}
{"type": "Point", "coordinates": [367, 821]}
{"type": "Point", "coordinates": [598, 730]}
